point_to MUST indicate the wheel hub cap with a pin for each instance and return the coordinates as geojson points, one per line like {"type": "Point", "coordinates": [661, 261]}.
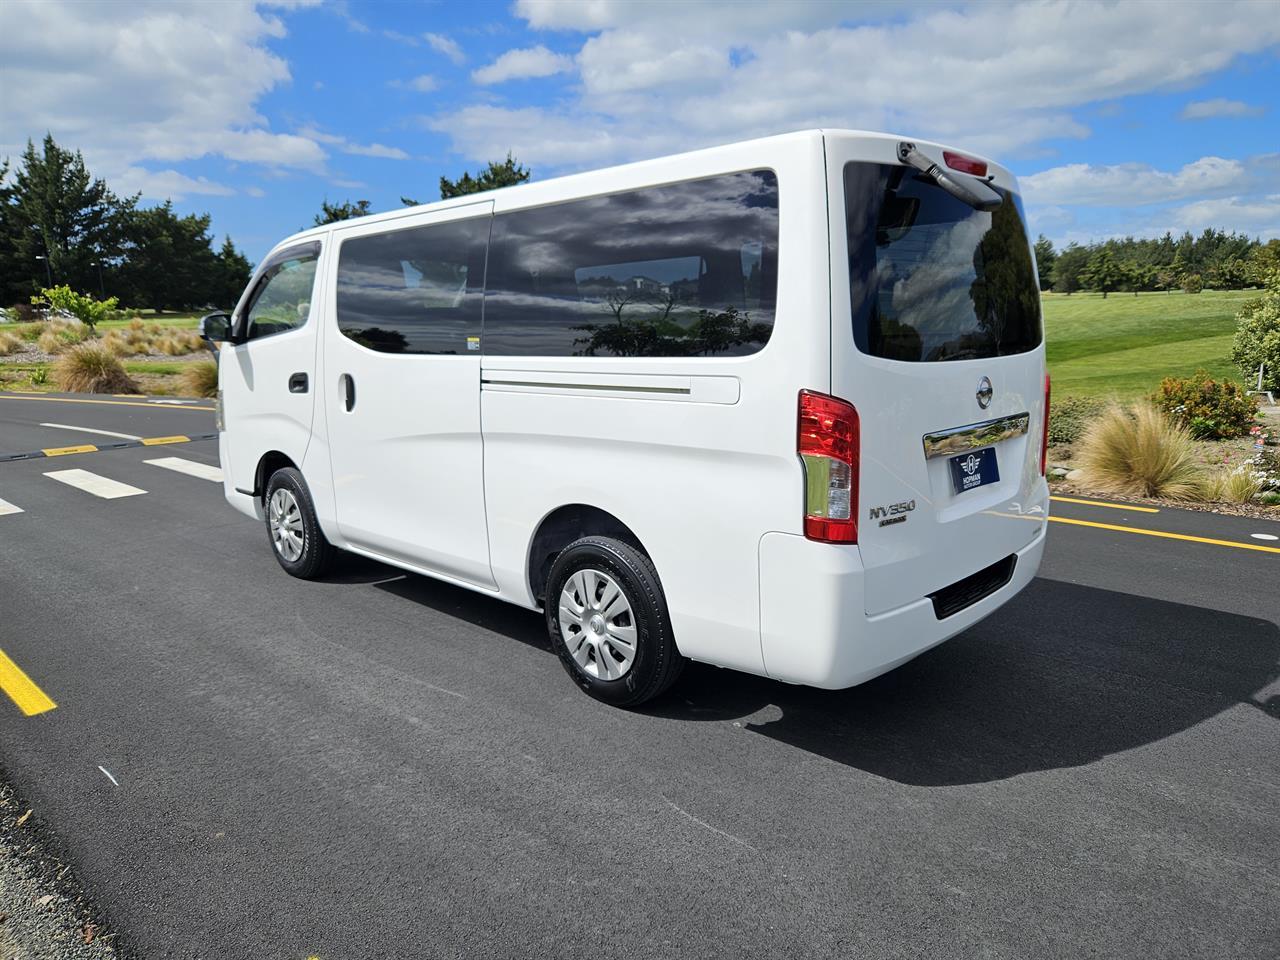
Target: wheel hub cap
{"type": "Point", "coordinates": [597, 624]}
{"type": "Point", "coordinates": [284, 519]}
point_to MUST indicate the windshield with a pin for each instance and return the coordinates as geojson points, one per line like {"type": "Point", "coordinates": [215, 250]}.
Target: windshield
{"type": "Point", "coordinates": [931, 278]}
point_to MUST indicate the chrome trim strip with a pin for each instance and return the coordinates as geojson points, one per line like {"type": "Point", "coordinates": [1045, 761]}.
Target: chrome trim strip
{"type": "Point", "coordinates": [557, 385]}
{"type": "Point", "coordinates": [944, 443]}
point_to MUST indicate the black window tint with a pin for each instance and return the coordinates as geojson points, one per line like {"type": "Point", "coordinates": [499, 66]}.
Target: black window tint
{"type": "Point", "coordinates": [282, 300]}
{"type": "Point", "coordinates": [930, 278]}
{"type": "Point", "coordinates": [686, 269]}
{"type": "Point", "coordinates": [414, 291]}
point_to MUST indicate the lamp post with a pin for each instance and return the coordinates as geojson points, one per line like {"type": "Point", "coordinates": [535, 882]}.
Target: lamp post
{"type": "Point", "coordinates": [47, 269]}
{"type": "Point", "coordinates": [102, 291]}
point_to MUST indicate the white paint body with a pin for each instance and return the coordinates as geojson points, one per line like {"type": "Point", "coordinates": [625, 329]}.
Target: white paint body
{"type": "Point", "coordinates": [448, 464]}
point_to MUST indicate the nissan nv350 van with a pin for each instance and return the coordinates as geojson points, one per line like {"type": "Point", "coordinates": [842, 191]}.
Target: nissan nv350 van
{"type": "Point", "coordinates": [778, 406]}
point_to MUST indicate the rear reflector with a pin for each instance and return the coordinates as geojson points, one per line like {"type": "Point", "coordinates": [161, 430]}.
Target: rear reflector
{"type": "Point", "coordinates": [827, 441]}
{"type": "Point", "coordinates": [958, 161]}
{"type": "Point", "coordinates": [1044, 440]}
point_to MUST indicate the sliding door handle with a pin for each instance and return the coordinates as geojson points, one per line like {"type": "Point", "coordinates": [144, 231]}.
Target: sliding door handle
{"type": "Point", "coordinates": [347, 387]}
{"type": "Point", "coordinates": [298, 383]}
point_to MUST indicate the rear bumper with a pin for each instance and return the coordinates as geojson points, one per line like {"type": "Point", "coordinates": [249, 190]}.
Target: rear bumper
{"type": "Point", "coordinates": [814, 628]}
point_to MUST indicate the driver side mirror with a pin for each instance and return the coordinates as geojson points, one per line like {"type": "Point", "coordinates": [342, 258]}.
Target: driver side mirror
{"type": "Point", "coordinates": [215, 328]}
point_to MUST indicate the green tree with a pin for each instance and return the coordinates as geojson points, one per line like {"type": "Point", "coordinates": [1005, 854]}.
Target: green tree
{"type": "Point", "coordinates": [1103, 273]}
{"type": "Point", "coordinates": [231, 274]}
{"type": "Point", "coordinates": [83, 307]}
{"type": "Point", "coordinates": [1068, 267]}
{"type": "Point", "coordinates": [1257, 339]}
{"type": "Point", "coordinates": [1045, 258]}
{"type": "Point", "coordinates": [508, 173]}
{"type": "Point", "coordinates": [15, 285]}
{"type": "Point", "coordinates": [61, 212]}
{"type": "Point", "coordinates": [169, 261]}
{"type": "Point", "coordinates": [334, 212]}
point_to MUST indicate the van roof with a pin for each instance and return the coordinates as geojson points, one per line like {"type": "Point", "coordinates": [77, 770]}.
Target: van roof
{"type": "Point", "coordinates": [636, 166]}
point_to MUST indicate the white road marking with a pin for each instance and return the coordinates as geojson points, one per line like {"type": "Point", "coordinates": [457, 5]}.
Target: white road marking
{"type": "Point", "coordinates": [1264, 536]}
{"type": "Point", "coordinates": [7, 508]}
{"type": "Point", "coordinates": [109, 776]}
{"type": "Point", "coordinates": [189, 467]}
{"type": "Point", "coordinates": [103, 487]}
{"type": "Point", "coordinates": [105, 433]}
{"type": "Point", "coordinates": [178, 402]}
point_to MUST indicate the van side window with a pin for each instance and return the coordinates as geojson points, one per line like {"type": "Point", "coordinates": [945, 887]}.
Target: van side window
{"type": "Point", "coordinates": [282, 300]}
{"type": "Point", "coordinates": [681, 270]}
{"type": "Point", "coordinates": [416, 290]}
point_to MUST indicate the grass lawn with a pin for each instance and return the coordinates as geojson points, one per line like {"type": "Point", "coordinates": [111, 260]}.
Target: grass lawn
{"type": "Point", "coordinates": [1125, 345]}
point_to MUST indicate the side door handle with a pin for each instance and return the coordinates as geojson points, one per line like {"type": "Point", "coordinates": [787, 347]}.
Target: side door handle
{"type": "Point", "coordinates": [298, 383]}
{"type": "Point", "coordinates": [348, 386]}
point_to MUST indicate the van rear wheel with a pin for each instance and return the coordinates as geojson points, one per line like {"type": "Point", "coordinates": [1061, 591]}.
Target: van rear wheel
{"type": "Point", "coordinates": [296, 540]}
{"type": "Point", "coordinates": [608, 622]}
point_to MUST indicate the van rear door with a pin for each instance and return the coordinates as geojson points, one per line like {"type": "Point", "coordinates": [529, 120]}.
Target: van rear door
{"type": "Point", "coordinates": [937, 341]}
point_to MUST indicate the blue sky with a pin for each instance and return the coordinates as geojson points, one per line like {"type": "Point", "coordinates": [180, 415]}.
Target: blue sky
{"type": "Point", "coordinates": [1119, 118]}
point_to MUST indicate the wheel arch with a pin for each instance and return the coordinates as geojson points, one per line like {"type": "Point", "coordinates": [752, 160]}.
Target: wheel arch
{"type": "Point", "coordinates": [269, 463]}
{"type": "Point", "coordinates": [561, 527]}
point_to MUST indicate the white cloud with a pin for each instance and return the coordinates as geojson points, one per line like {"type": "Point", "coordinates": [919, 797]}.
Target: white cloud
{"type": "Point", "coordinates": [424, 83]}
{"type": "Point", "coordinates": [1254, 215]}
{"type": "Point", "coordinates": [256, 192]}
{"type": "Point", "coordinates": [522, 64]}
{"type": "Point", "coordinates": [995, 78]}
{"type": "Point", "coordinates": [355, 149]}
{"type": "Point", "coordinates": [1130, 184]}
{"type": "Point", "coordinates": [446, 45]}
{"type": "Point", "coordinates": [131, 82]}
{"type": "Point", "coordinates": [165, 184]}
{"type": "Point", "coordinates": [1219, 107]}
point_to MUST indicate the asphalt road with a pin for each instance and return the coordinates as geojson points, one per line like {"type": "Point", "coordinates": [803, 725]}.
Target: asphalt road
{"type": "Point", "coordinates": [383, 766]}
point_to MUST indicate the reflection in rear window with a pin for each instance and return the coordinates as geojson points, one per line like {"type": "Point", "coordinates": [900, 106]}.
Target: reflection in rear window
{"type": "Point", "coordinates": [930, 278]}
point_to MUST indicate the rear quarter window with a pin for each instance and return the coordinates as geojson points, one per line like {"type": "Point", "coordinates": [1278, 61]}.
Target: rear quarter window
{"type": "Point", "coordinates": [932, 279]}
{"type": "Point", "coordinates": [678, 270]}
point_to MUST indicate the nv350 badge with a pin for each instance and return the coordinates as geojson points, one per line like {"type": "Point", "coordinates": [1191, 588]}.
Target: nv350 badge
{"type": "Point", "coordinates": [893, 513]}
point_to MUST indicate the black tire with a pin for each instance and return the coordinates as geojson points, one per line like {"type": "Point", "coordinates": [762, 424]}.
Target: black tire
{"type": "Point", "coordinates": [317, 553]}
{"type": "Point", "coordinates": [657, 662]}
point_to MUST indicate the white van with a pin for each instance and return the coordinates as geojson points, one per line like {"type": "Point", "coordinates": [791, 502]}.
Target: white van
{"type": "Point", "coordinates": [778, 406]}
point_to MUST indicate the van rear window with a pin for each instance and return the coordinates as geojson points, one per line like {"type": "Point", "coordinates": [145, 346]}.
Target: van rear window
{"type": "Point", "coordinates": [932, 279]}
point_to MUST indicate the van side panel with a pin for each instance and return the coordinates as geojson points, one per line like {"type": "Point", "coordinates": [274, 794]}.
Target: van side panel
{"type": "Point", "coordinates": [696, 455]}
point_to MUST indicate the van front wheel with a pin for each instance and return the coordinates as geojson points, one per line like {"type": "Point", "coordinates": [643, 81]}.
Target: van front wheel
{"type": "Point", "coordinates": [608, 622]}
{"type": "Point", "coordinates": [295, 535]}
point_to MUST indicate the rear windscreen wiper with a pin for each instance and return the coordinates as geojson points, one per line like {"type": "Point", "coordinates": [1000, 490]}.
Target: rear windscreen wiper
{"type": "Point", "coordinates": [971, 191]}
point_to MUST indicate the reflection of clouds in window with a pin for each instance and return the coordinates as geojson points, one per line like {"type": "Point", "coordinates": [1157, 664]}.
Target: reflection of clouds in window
{"type": "Point", "coordinates": [285, 302]}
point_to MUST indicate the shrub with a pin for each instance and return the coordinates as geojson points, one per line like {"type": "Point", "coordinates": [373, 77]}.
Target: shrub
{"type": "Point", "coordinates": [1069, 416]}
{"type": "Point", "coordinates": [90, 368]}
{"type": "Point", "coordinates": [40, 376]}
{"type": "Point", "coordinates": [1138, 451]}
{"type": "Point", "coordinates": [1265, 465]}
{"type": "Point", "coordinates": [23, 312]}
{"type": "Point", "coordinates": [1257, 339]}
{"type": "Point", "coordinates": [83, 307]}
{"type": "Point", "coordinates": [1233, 486]}
{"type": "Point", "coordinates": [200, 379]}
{"type": "Point", "coordinates": [56, 335]}
{"type": "Point", "coordinates": [1211, 409]}
{"type": "Point", "coordinates": [1192, 283]}
{"type": "Point", "coordinates": [10, 343]}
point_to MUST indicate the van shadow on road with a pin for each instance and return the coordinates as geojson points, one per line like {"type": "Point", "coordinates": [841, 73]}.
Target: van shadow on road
{"type": "Point", "coordinates": [1060, 677]}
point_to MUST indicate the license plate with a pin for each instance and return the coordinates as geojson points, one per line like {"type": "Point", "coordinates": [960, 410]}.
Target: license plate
{"type": "Point", "coordinates": [974, 469]}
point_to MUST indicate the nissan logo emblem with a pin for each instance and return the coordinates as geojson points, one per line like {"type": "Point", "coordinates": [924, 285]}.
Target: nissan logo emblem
{"type": "Point", "coordinates": [984, 392]}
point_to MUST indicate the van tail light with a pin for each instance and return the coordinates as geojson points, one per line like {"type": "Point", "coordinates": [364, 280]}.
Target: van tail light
{"type": "Point", "coordinates": [958, 161]}
{"type": "Point", "coordinates": [1044, 440]}
{"type": "Point", "coordinates": [827, 442]}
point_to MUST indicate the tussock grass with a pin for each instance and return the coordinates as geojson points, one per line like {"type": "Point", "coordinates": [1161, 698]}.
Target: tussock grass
{"type": "Point", "coordinates": [1233, 486]}
{"type": "Point", "coordinates": [10, 343]}
{"type": "Point", "coordinates": [139, 338]}
{"type": "Point", "coordinates": [200, 379]}
{"type": "Point", "coordinates": [91, 368]}
{"type": "Point", "coordinates": [1135, 450]}
{"type": "Point", "coordinates": [58, 334]}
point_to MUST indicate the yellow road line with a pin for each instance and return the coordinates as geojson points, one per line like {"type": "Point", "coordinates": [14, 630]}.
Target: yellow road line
{"type": "Point", "coordinates": [22, 689]}
{"type": "Point", "coordinates": [63, 451]}
{"type": "Point", "coordinates": [1113, 506]}
{"type": "Point", "coordinates": [156, 441]}
{"type": "Point", "coordinates": [1170, 536]}
{"type": "Point", "coordinates": [109, 403]}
